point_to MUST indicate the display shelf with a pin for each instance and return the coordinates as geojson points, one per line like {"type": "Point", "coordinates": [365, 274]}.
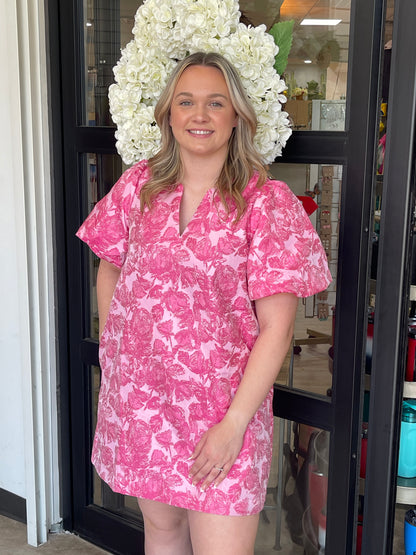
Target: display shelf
{"type": "Point", "coordinates": [409, 390]}
{"type": "Point", "coordinates": [406, 491]}
{"type": "Point", "coordinates": [406, 487]}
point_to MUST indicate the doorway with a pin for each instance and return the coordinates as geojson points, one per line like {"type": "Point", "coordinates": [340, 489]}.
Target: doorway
{"type": "Point", "coordinates": [320, 402]}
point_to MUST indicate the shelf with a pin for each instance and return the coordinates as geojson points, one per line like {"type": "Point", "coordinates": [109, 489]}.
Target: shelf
{"type": "Point", "coordinates": [406, 491]}
{"type": "Point", "coordinates": [409, 390]}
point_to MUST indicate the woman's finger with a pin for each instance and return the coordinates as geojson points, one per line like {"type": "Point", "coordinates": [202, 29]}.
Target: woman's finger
{"type": "Point", "coordinates": [215, 476]}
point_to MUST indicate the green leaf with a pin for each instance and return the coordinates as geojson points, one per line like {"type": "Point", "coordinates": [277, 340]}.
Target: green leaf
{"type": "Point", "coordinates": [282, 33]}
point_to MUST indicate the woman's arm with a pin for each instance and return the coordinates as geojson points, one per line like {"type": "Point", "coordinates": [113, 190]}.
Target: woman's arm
{"type": "Point", "coordinates": [107, 278]}
{"type": "Point", "coordinates": [221, 444]}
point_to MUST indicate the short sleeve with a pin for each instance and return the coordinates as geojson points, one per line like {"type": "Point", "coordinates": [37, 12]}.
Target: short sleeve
{"type": "Point", "coordinates": [106, 229]}
{"type": "Point", "coordinates": [285, 254]}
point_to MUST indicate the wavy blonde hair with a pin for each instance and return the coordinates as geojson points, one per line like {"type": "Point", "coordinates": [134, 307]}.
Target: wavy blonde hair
{"type": "Point", "coordinates": [242, 158]}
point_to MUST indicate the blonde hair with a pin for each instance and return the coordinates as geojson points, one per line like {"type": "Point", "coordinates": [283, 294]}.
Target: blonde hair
{"type": "Point", "coordinates": [242, 158]}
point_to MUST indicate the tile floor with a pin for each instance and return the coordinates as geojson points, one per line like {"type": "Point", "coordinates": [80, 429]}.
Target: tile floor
{"type": "Point", "coordinates": [13, 542]}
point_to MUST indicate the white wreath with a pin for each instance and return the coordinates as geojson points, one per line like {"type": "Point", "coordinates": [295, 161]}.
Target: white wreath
{"type": "Point", "coordinates": [167, 31]}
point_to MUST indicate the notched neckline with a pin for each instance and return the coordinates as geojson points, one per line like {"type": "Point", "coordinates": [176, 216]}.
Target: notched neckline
{"type": "Point", "coordinates": [180, 190]}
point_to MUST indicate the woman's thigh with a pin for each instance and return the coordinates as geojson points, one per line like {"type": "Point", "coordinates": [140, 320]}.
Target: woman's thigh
{"type": "Point", "coordinates": [228, 535]}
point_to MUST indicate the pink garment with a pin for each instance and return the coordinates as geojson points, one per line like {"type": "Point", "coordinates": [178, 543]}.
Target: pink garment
{"type": "Point", "coordinates": [181, 327]}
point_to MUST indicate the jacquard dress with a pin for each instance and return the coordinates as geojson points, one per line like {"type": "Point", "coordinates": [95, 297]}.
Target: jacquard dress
{"type": "Point", "coordinates": [181, 327]}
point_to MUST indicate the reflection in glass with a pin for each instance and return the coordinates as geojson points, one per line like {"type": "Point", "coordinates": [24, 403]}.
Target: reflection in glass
{"type": "Point", "coordinates": [309, 364]}
{"type": "Point", "coordinates": [316, 74]}
{"type": "Point", "coordinates": [294, 517]}
{"type": "Point", "coordinates": [107, 28]}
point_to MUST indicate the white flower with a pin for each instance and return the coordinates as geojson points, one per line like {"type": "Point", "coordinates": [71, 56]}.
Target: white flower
{"type": "Point", "coordinates": [166, 31]}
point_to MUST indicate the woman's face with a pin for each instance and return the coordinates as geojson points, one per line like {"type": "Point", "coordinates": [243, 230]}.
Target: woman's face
{"type": "Point", "coordinates": [202, 116]}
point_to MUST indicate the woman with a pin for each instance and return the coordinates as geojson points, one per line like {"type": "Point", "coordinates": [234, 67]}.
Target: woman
{"type": "Point", "coordinates": [203, 259]}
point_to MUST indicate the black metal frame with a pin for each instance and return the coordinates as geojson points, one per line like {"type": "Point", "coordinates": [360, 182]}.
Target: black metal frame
{"type": "Point", "coordinates": [52, 10]}
{"type": "Point", "coordinates": [352, 283]}
{"type": "Point", "coordinates": [394, 271]}
{"type": "Point", "coordinates": [342, 414]}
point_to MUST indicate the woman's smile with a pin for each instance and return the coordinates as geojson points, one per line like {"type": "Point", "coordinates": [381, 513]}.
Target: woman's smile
{"type": "Point", "coordinates": [200, 132]}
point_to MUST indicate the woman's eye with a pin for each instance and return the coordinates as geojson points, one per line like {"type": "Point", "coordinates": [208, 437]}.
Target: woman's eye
{"type": "Point", "coordinates": [216, 104]}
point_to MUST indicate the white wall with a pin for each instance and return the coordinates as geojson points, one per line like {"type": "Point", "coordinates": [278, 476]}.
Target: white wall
{"type": "Point", "coordinates": [12, 248]}
{"type": "Point", "coordinates": [28, 415]}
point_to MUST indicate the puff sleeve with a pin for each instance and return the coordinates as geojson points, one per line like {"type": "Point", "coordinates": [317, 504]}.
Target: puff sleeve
{"type": "Point", "coordinates": [106, 229]}
{"type": "Point", "coordinates": [285, 254]}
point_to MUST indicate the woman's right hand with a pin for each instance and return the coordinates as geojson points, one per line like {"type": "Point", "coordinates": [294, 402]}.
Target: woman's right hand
{"type": "Point", "coordinates": [215, 453]}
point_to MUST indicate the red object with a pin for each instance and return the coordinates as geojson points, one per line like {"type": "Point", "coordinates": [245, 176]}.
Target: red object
{"type": "Point", "coordinates": [308, 204]}
{"type": "Point", "coordinates": [359, 538]}
{"type": "Point", "coordinates": [411, 350]}
{"type": "Point", "coordinates": [363, 459]}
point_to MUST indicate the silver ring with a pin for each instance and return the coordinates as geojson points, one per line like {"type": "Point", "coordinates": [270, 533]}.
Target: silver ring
{"type": "Point", "coordinates": [219, 468]}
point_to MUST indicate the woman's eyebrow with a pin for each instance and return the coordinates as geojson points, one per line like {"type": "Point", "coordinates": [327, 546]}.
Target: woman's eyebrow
{"type": "Point", "coordinates": [212, 95]}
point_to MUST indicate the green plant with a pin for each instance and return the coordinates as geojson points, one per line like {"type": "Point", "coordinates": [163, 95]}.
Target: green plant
{"type": "Point", "coordinates": [282, 32]}
{"type": "Point", "coordinates": [313, 90]}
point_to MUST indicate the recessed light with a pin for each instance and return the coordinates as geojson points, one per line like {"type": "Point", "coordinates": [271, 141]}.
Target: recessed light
{"type": "Point", "coordinates": [320, 21]}
{"type": "Point", "coordinates": [307, 61]}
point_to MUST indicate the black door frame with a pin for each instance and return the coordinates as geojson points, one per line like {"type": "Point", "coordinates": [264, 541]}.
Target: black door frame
{"type": "Point", "coordinates": [392, 293]}
{"type": "Point", "coordinates": [342, 414]}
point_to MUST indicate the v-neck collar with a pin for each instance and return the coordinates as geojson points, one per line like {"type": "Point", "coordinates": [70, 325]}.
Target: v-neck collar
{"type": "Point", "coordinates": [180, 190]}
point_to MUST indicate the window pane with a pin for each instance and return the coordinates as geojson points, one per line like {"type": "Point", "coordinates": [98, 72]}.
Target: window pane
{"type": "Point", "coordinates": [102, 171]}
{"type": "Point", "coordinates": [294, 517]}
{"type": "Point", "coordinates": [107, 28]}
{"type": "Point", "coordinates": [316, 74]}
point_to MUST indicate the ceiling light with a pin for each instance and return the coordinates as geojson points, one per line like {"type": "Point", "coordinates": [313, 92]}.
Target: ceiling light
{"type": "Point", "coordinates": [307, 61]}
{"type": "Point", "coordinates": [320, 21]}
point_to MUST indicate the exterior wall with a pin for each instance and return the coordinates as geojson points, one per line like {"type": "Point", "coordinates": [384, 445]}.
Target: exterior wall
{"type": "Point", "coordinates": [13, 257]}
{"type": "Point", "coordinates": [28, 414]}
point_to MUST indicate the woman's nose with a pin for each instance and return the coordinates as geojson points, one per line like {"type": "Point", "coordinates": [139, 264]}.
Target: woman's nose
{"type": "Point", "coordinates": [200, 113]}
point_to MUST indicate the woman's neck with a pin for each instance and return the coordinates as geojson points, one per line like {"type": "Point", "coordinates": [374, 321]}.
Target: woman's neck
{"type": "Point", "coordinates": [200, 174]}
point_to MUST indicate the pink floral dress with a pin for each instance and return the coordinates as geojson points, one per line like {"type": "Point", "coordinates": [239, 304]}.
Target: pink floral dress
{"type": "Point", "coordinates": [180, 330]}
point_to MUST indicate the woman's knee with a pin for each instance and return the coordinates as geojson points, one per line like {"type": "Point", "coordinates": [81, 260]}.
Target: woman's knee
{"type": "Point", "coordinates": [163, 519]}
{"type": "Point", "coordinates": [233, 535]}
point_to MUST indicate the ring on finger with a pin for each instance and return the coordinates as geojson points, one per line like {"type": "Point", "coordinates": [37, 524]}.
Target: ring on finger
{"type": "Point", "coordinates": [219, 468]}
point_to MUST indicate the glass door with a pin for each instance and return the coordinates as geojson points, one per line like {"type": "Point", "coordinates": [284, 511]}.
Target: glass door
{"type": "Point", "coordinates": [333, 100]}
{"type": "Point", "coordinates": [391, 388]}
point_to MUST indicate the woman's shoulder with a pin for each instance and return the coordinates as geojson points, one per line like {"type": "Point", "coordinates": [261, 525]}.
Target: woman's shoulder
{"type": "Point", "coordinates": [131, 181]}
{"type": "Point", "coordinates": [272, 190]}
{"type": "Point", "coordinates": [138, 173]}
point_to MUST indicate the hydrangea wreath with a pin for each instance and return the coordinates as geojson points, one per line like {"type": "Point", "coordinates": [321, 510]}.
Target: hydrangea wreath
{"type": "Point", "coordinates": [167, 31]}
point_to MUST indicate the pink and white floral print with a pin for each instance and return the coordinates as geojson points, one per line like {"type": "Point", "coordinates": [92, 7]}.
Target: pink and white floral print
{"type": "Point", "coordinates": [181, 327]}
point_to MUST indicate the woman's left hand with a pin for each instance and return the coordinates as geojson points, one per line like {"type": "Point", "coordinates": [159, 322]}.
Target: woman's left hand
{"type": "Point", "coordinates": [215, 453]}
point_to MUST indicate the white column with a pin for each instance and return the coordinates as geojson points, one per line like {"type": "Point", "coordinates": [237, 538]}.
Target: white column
{"type": "Point", "coordinates": [23, 23]}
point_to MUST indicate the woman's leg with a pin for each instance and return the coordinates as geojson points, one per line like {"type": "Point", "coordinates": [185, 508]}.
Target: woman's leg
{"type": "Point", "coordinates": [228, 535]}
{"type": "Point", "coordinates": [166, 529]}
